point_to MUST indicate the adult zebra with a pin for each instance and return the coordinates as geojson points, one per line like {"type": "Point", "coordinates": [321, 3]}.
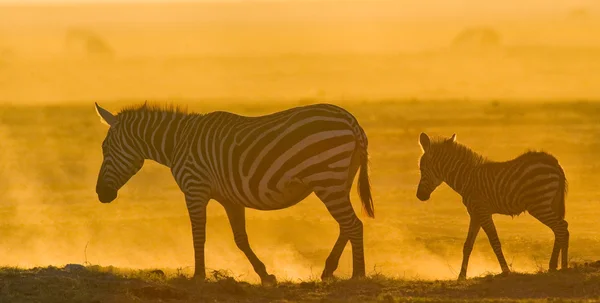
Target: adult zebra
{"type": "Point", "coordinates": [267, 163]}
{"type": "Point", "coordinates": [532, 182]}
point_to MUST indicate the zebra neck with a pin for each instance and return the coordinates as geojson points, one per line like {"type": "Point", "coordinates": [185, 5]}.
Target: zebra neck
{"type": "Point", "coordinates": [460, 177]}
{"type": "Point", "coordinates": [157, 136]}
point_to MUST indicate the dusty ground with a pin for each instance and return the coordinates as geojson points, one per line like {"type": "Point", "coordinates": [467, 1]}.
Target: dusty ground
{"type": "Point", "coordinates": [97, 284]}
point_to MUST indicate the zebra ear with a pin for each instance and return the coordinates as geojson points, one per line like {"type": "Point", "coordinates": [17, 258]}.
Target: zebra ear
{"type": "Point", "coordinates": [453, 138]}
{"type": "Point", "coordinates": [105, 116]}
{"type": "Point", "coordinates": [424, 141]}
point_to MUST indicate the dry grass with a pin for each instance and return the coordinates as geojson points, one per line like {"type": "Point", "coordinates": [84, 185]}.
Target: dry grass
{"type": "Point", "coordinates": [98, 284]}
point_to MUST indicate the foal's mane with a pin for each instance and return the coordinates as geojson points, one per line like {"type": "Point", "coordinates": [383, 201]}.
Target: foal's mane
{"type": "Point", "coordinates": [446, 145]}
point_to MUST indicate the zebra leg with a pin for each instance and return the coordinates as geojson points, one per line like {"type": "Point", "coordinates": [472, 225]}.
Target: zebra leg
{"type": "Point", "coordinates": [333, 260]}
{"type": "Point", "coordinates": [339, 206]}
{"type": "Point", "coordinates": [474, 227]}
{"type": "Point", "coordinates": [490, 229]}
{"type": "Point", "coordinates": [561, 235]}
{"type": "Point", "coordinates": [565, 246]}
{"type": "Point", "coordinates": [237, 219]}
{"type": "Point", "coordinates": [197, 209]}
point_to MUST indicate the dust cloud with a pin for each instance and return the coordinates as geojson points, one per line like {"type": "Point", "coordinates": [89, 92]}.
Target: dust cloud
{"type": "Point", "coordinates": [58, 59]}
{"type": "Point", "coordinates": [51, 216]}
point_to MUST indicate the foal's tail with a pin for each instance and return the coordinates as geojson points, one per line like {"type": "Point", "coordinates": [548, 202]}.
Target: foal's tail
{"type": "Point", "coordinates": [558, 205]}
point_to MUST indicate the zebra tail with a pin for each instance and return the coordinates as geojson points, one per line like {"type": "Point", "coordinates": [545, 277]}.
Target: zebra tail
{"type": "Point", "coordinates": [559, 201]}
{"type": "Point", "coordinates": [364, 184]}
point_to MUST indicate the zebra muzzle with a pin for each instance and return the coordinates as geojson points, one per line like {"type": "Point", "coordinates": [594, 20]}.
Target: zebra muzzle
{"type": "Point", "coordinates": [105, 194]}
{"type": "Point", "coordinates": [423, 196]}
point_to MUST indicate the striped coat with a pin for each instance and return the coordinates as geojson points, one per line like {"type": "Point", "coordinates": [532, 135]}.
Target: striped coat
{"type": "Point", "coordinates": [533, 182]}
{"type": "Point", "coordinates": [268, 162]}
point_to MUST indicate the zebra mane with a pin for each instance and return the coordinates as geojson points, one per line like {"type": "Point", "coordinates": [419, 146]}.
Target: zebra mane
{"type": "Point", "coordinates": [448, 146]}
{"type": "Point", "coordinates": [155, 107]}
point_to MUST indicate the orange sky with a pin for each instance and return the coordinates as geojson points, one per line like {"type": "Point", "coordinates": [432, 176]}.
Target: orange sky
{"type": "Point", "coordinates": [481, 9]}
{"type": "Point", "coordinates": [429, 4]}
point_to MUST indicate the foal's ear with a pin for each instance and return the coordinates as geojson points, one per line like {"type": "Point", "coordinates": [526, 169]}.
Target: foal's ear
{"type": "Point", "coordinates": [424, 141]}
{"type": "Point", "coordinates": [106, 117]}
{"type": "Point", "coordinates": [453, 138]}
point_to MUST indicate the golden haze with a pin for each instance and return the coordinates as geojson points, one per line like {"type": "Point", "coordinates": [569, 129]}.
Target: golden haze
{"type": "Point", "coordinates": [254, 58]}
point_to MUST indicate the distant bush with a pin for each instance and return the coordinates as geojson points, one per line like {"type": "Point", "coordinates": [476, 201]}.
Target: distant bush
{"type": "Point", "coordinates": [88, 43]}
{"type": "Point", "coordinates": [478, 38]}
{"type": "Point", "coordinates": [579, 14]}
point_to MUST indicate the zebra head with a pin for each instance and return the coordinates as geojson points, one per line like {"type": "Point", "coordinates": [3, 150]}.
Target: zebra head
{"type": "Point", "coordinates": [121, 160]}
{"type": "Point", "coordinates": [430, 175]}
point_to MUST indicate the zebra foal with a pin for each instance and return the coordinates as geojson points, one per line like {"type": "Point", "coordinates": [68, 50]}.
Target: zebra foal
{"type": "Point", "coordinates": [267, 163]}
{"type": "Point", "coordinates": [532, 182]}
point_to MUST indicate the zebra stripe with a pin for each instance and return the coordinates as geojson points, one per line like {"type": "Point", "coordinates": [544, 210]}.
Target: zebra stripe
{"type": "Point", "coordinates": [268, 162]}
{"type": "Point", "coordinates": [533, 182]}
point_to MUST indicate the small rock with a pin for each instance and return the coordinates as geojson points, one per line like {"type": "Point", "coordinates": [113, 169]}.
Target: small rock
{"type": "Point", "coordinates": [74, 268]}
{"type": "Point", "coordinates": [158, 272]}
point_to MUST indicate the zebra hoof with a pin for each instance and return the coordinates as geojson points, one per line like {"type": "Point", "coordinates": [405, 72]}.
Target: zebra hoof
{"type": "Point", "coordinates": [462, 277]}
{"type": "Point", "coordinates": [198, 279]}
{"type": "Point", "coordinates": [326, 276]}
{"type": "Point", "coordinates": [269, 280]}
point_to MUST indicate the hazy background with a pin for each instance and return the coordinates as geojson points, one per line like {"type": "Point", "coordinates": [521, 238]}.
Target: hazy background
{"type": "Point", "coordinates": [506, 77]}
{"type": "Point", "coordinates": [329, 50]}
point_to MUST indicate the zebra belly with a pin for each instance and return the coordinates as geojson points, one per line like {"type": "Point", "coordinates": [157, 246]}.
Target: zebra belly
{"type": "Point", "coordinates": [513, 209]}
{"type": "Point", "coordinates": [289, 194]}
{"type": "Point", "coordinates": [533, 195]}
{"type": "Point", "coordinates": [288, 198]}
{"type": "Point", "coordinates": [520, 205]}
{"type": "Point", "coordinates": [505, 206]}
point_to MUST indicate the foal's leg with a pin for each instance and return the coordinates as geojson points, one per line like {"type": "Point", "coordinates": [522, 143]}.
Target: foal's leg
{"type": "Point", "coordinates": [490, 229]}
{"type": "Point", "coordinates": [237, 218]}
{"type": "Point", "coordinates": [474, 228]}
{"type": "Point", "coordinates": [546, 215]}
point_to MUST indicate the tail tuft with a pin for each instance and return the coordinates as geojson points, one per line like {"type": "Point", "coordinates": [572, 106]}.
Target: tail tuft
{"type": "Point", "coordinates": [364, 185]}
